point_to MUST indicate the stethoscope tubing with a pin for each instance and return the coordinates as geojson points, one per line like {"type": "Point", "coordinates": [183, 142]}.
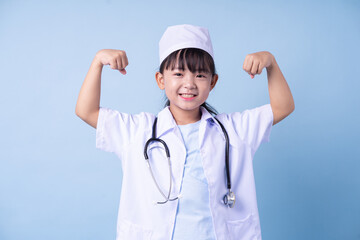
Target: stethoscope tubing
{"type": "Point", "coordinates": [227, 146]}
{"type": "Point", "coordinates": [153, 139]}
{"type": "Point", "coordinates": [230, 197]}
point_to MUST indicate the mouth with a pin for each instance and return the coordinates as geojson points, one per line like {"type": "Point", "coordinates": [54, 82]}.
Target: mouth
{"type": "Point", "coordinates": [187, 96]}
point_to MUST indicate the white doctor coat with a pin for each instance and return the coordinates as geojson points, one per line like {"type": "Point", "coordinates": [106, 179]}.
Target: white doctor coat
{"type": "Point", "coordinates": [138, 216]}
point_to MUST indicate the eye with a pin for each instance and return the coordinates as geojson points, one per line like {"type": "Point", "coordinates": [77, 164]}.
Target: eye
{"type": "Point", "coordinates": [178, 74]}
{"type": "Point", "coordinates": [201, 76]}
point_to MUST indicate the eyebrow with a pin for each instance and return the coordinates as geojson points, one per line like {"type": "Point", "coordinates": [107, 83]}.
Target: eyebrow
{"type": "Point", "coordinates": [197, 71]}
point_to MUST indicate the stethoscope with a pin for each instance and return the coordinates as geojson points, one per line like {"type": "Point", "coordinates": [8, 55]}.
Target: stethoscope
{"type": "Point", "coordinates": [229, 198]}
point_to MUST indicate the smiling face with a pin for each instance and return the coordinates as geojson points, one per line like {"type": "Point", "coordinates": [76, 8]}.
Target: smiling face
{"type": "Point", "coordinates": [187, 84]}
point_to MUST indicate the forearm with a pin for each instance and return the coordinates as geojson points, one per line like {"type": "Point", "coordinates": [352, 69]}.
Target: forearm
{"type": "Point", "coordinates": [88, 102]}
{"type": "Point", "coordinates": [281, 99]}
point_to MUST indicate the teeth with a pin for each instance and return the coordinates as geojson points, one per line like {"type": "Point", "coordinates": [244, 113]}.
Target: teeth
{"type": "Point", "coordinates": [187, 95]}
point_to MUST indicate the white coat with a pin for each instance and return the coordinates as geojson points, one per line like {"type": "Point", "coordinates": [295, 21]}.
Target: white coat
{"type": "Point", "coordinates": [138, 217]}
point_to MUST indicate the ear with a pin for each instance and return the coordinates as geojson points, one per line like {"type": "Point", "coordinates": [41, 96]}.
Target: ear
{"type": "Point", "coordinates": [214, 81]}
{"type": "Point", "coordinates": [160, 80]}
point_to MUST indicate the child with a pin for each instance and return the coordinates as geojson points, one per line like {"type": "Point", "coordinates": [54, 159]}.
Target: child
{"type": "Point", "coordinates": [179, 184]}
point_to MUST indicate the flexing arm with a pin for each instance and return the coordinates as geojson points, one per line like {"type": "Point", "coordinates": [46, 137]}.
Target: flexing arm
{"type": "Point", "coordinates": [88, 103]}
{"type": "Point", "coordinates": [281, 100]}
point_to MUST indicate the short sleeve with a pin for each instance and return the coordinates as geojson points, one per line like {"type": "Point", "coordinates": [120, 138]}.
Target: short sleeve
{"type": "Point", "coordinates": [254, 125]}
{"type": "Point", "coordinates": [115, 129]}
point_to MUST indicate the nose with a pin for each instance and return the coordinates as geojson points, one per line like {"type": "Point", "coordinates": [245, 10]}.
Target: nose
{"type": "Point", "coordinates": [189, 81]}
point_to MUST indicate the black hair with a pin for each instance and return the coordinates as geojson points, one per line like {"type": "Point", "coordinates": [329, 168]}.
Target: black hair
{"type": "Point", "coordinates": [194, 59]}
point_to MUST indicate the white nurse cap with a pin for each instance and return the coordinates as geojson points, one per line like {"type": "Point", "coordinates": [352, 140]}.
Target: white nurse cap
{"type": "Point", "coordinates": [184, 36]}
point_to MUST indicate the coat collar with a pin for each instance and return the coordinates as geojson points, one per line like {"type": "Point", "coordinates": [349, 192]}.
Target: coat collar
{"type": "Point", "coordinates": [166, 121]}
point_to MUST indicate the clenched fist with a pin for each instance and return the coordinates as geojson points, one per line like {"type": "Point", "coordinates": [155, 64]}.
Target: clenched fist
{"type": "Point", "coordinates": [254, 63]}
{"type": "Point", "coordinates": [117, 59]}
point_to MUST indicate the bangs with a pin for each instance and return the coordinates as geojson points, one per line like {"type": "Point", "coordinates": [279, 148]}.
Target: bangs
{"type": "Point", "coordinates": [194, 59]}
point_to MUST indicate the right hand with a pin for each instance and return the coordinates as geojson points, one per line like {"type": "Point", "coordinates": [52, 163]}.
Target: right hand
{"type": "Point", "coordinates": [117, 59]}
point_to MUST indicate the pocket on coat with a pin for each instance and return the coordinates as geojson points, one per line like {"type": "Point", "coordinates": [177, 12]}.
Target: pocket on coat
{"type": "Point", "coordinates": [128, 230]}
{"type": "Point", "coordinates": [243, 229]}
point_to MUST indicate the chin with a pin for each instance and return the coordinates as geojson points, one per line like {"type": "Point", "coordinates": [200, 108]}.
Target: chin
{"type": "Point", "coordinates": [187, 108]}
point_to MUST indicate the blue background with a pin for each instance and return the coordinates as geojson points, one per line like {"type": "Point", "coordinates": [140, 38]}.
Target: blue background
{"type": "Point", "coordinates": [54, 183]}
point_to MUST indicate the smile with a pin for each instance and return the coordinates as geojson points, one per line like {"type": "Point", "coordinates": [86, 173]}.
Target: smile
{"type": "Point", "coordinates": [187, 96]}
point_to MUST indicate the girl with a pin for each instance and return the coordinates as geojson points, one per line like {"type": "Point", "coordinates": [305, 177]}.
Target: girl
{"type": "Point", "coordinates": [194, 178]}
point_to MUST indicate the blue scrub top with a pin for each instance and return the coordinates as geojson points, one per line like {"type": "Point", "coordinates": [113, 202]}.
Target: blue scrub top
{"type": "Point", "coordinates": [193, 217]}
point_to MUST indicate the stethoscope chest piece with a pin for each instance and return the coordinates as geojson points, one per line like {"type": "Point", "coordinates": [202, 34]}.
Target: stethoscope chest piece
{"type": "Point", "coordinates": [229, 199]}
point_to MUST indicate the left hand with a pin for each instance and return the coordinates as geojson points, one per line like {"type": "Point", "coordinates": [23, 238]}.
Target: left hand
{"type": "Point", "coordinates": [255, 62]}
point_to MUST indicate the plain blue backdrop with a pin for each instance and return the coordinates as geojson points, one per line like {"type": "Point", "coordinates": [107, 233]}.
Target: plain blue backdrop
{"type": "Point", "coordinates": [54, 183]}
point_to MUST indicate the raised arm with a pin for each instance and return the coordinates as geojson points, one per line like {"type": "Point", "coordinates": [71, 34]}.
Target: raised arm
{"type": "Point", "coordinates": [88, 103]}
{"type": "Point", "coordinates": [281, 100]}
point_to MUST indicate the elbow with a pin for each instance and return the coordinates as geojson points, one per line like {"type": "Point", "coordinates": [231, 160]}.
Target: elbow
{"type": "Point", "coordinates": [79, 113]}
{"type": "Point", "coordinates": [292, 107]}
{"type": "Point", "coordinates": [281, 113]}
{"type": "Point", "coordinates": [285, 110]}
{"type": "Point", "coordinates": [289, 110]}
{"type": "Point", "coordinates": [76, 112]}
{"type": "Point", "coordinates": [289, 107]}
{"type": "Point", "coordinates": [87, 116]}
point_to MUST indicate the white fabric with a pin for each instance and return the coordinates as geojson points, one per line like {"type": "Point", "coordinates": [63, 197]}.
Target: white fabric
{"type": "Point", "coordinates": [184, 36]}
{"type": "Point", "coordinates": [138, 217]}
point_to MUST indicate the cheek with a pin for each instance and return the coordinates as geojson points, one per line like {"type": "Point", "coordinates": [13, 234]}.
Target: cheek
{"type": "Point", "coordinates": [170, 92]}
{"type": "Point", "coordinates": [170, 86]}
{"type": "Point", "coordinates": [206, 95]}
{"type": "Point", "coordinates": [206, 87]}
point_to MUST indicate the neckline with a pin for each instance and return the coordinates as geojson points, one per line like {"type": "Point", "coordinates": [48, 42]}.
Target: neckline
{"type": "Point", "coordinates": [189, 124]}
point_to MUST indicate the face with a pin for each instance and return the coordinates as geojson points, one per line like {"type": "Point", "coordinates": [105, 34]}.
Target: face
{"type": "Point", "coordinates": [185, 90]}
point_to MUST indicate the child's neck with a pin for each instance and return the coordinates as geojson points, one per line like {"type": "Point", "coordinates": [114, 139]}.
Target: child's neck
{"type": "Point", "coordinates": [183, 117]}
